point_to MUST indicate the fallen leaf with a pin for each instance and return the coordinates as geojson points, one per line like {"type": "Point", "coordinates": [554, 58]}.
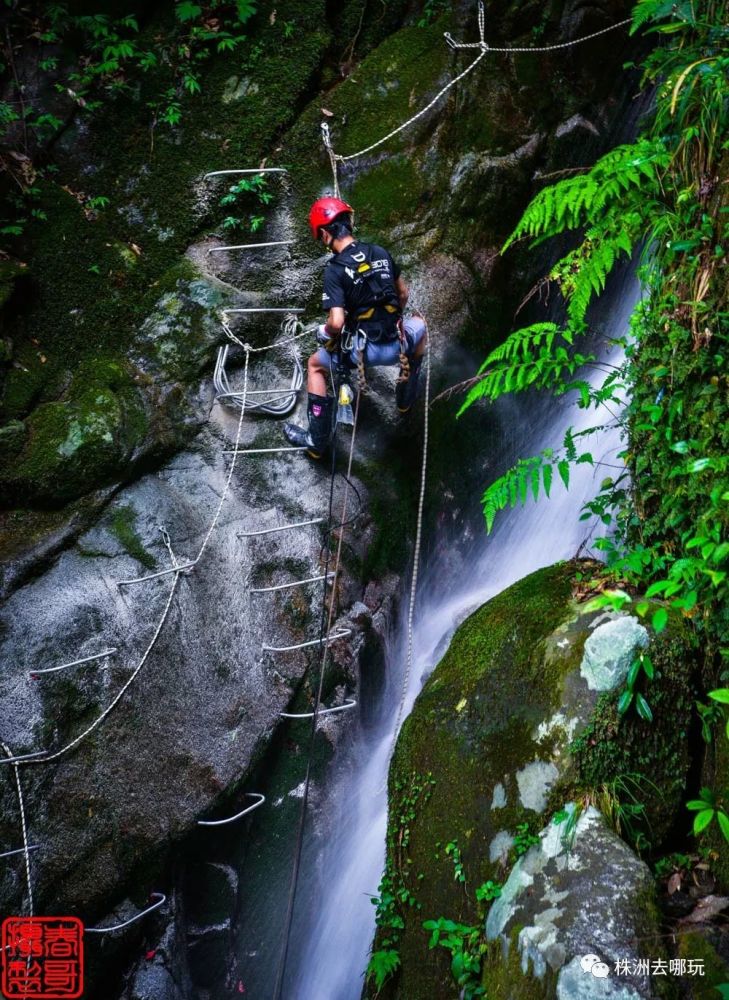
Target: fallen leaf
{"type": "Point", "coordinates": [272, 17]}
{"type": "Point", "coordinates": [43, 359]}
{"type": "Point", "coordinates": [706, 909]}
{"type": "Point", "coordinates": [674, 883]}
{"type": "Point", "coordinates": [136, 249]}
{"type": "Point", "coordinates": [327, 112]}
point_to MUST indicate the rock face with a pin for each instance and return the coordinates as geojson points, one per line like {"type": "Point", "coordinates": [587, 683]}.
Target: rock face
{"type": "Point", "coordinates": [517, 733]}
{"type": "Point", "coordinates": [110, 429]}
{"type": "Point", "coordinates": [576, 893]}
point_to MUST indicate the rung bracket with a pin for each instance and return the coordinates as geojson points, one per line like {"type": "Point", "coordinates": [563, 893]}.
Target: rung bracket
{"type": "Point", "coordinates": [283, 527]}
{"type": "Point", "coordinates": [250, 246]}
{"type": "Point", "coordinates": [232, 819]}
{"type": "Point", "coordinates": [74, 663]}
{"type": "Point", "coordinates": [349, 703]}
{"type": "Point", "coordinates": [161, 900]}
{"type": "Point", "coordinates": [295, 583]}
{"type": "Point", "coordinates": [20, 850]}
{"type": "Point", "coordinates": [312, 642]}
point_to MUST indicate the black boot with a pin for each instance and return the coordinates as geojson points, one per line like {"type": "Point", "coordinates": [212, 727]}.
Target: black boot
{"type": "Point", "coordinates": [406, 391]}
{"type": "Point", "coordinates": [316, 438]}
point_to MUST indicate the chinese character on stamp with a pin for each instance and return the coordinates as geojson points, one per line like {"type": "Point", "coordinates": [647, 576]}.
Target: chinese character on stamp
{"type": "Point", "coordinates": [42, 957]}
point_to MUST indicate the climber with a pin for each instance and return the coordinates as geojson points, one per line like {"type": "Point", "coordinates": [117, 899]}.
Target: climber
{"type": "Point", "coordinates": [365, 295]}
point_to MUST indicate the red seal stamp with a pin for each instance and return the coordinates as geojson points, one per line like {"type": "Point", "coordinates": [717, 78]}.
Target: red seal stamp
{"type": "Point", "coordinates": [43, 957]}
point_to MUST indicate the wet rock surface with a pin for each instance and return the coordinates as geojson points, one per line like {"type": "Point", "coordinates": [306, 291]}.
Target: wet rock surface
{"type": "Point", "coordinates": [518, 745]}
{"type": "Point", "coordinates": [118, 433]}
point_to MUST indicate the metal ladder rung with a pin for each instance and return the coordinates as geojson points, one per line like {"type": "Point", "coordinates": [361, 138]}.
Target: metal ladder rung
{"type": "Point", "coordinates": [258, 392]}
{"type": "Point", "coordinates": [231, 819]}
{"type": "Point", "coordinates": [155, 576]}
{"type": "Point", "coordinates": [296, 583]}
{"type": "Point", "coordinates": [161, 900]}
{"type": "Point", "coordinates": [349, 703]}
{"type": "Point", "coordinates": [74, 663]}
{"type": "Point", "coordinates": [262, 309]}
{"type": "Point", "coordinates": [262, 451]}
{"type": "Point", "coordinates": [20, 850]}
{"type": "Point", "coordinates": [261, 170]}
{"type": "Point", "coordinates": [250, 246]}
{"type": "Point", "coordinates": [312, 642]}
{"type": "Point", "coordinates": [25, 756]}
{"type": "Point", "coordinates": [283, 527]}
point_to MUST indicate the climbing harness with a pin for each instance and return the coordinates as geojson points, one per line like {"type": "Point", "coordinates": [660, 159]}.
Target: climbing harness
{"type": "Point", "coordinates": [277, 401]}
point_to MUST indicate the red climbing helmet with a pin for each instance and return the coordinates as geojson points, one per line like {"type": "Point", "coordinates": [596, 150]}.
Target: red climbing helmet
{"type": "Point", "coordinates": [324, 211]}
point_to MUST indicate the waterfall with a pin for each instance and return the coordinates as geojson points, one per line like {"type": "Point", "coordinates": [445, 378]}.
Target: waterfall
{"type": "Point", "coordinates": [330, 953]}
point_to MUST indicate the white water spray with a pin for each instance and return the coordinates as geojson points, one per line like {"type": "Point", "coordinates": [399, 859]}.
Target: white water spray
{"type": "Point", "coordinates": [330, 963]}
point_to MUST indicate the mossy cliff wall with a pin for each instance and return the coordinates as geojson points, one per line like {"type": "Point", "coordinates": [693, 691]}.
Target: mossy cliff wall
{"type": "Point", "coordinates": [516, 722]}
{"type": "Point", "coordinates": [75, 378]}
{"type": "Point", "coordinates": [108, 423]}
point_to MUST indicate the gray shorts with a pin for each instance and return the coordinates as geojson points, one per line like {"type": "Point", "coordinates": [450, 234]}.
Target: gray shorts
{"type": "Point", "coordinates": [382, 354]}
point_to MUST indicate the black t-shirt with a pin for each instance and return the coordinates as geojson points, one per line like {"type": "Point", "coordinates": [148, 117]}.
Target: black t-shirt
{"type": "Point", "coordinates": [362, 275]}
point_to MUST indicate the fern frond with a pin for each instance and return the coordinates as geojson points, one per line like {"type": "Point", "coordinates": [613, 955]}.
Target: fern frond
{"type": "Point", "coordinates": [627, 172]}
{"type": "Point", "coordinates": [528, 358]}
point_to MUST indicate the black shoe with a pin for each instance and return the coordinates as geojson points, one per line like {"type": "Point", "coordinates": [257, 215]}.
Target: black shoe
{"type": "Point", "coordinates": [406, 390]}
{"type": "Point", "coordinates": [316, 438]}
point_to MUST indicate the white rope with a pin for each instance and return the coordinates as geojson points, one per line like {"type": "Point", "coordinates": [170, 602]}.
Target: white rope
{"type": "Point", "coordinates": [23, 827]}
{"type": "Point", "coordinates": [484, 49]}
{"type": "Point", "coordinates": [416, 556]}
{"type": "Point", "coordinates": [236, 446]}
{"type": "Point", "coordinates": [289, 324]}
{"type": "Point", "coordinates": [127, 684]}
{"type": "Point", "coordinates": [395, 131]}
{"type": "Point", "coordinates": [327, 139]}
{"type": "Point", "coordinates": [536, 48]}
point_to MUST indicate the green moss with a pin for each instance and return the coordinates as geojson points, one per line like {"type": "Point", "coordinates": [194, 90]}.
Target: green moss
{"type": "Point", "coordinates": [382, 193]}
{"type": "Point", "coordinates": [90, 289]}
{"type": "Point", "coordinates": [9, 271]}
{"type": "Point", "coordinates": [122, 526]}
{"type": "Point", "coordinates": [611, 747]}
{"type": "Point", "coordinates": [80, 442]}
{"type": "Point", "coordinates": [470, 727]}
{"type": "Point", "coordinates": [716, 972]}
{"type": "Point", "coordinates": [502, 974]}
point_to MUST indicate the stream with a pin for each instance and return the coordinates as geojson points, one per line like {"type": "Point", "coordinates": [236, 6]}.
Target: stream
{"type": "Point", "coordinates": [344, 846]}
{"type": "Point", "coordinates": [333, 951]}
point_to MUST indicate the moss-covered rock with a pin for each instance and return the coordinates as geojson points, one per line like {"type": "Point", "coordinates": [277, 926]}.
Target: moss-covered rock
{"type": "Point", "coordinates": [502, 728]}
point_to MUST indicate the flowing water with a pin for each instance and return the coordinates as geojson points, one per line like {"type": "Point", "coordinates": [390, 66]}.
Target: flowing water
{"type": "Point", "coordinates": [330, 949]}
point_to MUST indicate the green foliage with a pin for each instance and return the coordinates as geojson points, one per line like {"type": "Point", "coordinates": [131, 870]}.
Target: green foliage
{"type": "Point", "coordinates": [251, 190]}
{"type": "Point", "coordinates": [383, 963]}
{"type": "Point", "coordinates": [466, 947]}
{"type": "Point", "coordinates": [707, 808]}
{"type": "Point", "coordinates": [488, 891]}
{"type": "Point", "coordinates": [431, 10]}
{"type": "Point", "coordinates": [109, 56]}
{"type": "Point", "coordinates": [662, 195]}
{"type": "Point", "coordinates": [523, 840]}
{"type": "Point", "coordinates": [394, 893]}
{"type": "Point", "coordinates": [642, 666]}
